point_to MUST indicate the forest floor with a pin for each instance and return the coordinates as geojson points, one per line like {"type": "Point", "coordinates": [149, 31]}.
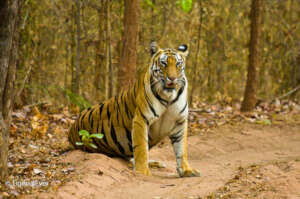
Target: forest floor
{"type": "Point", "coordinates": [254, 155]}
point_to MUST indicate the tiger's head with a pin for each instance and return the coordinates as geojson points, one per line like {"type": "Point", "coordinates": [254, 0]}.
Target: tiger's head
{"type": "Point", "coordinates": [167, 70]}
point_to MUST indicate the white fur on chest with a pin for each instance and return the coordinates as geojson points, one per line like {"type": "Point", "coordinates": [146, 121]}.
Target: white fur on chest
{"type": "Point", "coordinates": [166, 124]}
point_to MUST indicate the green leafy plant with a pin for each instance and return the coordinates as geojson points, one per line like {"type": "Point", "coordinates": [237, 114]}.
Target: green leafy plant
{"type": "Point", "coordinates": [149, 3]}
{"type": "Point", "coordinates": [264, 122]}
{"type": "Point", "coordinates": [186, 5]}
{"type": "Point", "coordinates": [77, 99]}
{"type": "Point", "coordinates": [87, 139]}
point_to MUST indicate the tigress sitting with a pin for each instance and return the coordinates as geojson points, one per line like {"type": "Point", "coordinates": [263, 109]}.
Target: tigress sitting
{"type": "Point", "coordinates": [140, 117]}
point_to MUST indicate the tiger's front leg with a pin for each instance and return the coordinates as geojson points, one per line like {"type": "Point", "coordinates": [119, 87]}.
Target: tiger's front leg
{"type": "Point", "coordinates": [140, 144]}
{"type": "Point", "coordinates": [179, 142]}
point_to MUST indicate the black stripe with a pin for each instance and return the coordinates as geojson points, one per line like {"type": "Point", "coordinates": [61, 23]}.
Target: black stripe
{"type": "Point", "coordinates": [82, 118]}
{"type": "Point", "coordinates": [117, 115]}
{"type": "Point", "coordinates": [178, 95]}
{"type": "Point", "coordinates": [118, 109]}
{"type": "Point", "coordinates": [144, 117]}
{"type": "Point", "coordinates": [108, 113]}
{"type": "Point", "coordinates": [128, 135]}
{"type": "Point", "coordinates": [100, 111]}
{"type": "Point", "coordinates": [101, 123]}
{"type": "Point", "coordinates": [135, 122]}
{"type": "Point", "coordinates": [92, 124]}
{"type": "Point", "coordinates": [103, 131]}
{"type": "Point", "coordinates": [183, 108]}
{"type": "Point", "coordinates": [114, 137]}
{"type": "Point", "coordinates": [151, 81]}
{"type": "Point", "coordinates": [149, 103]}
{"type": "Point", "coordinates": [90, 115]}
{"type": "Point", "coordinates": [129, 138]}
{"type": "Point", "coordinates": [91, 118]}
{"type": "Point", "coordinates": [116, 99]}
{"type": "Point", "coordinates": [133, 100]}
{"type": "Point", "coordinates": [149, 138]}
{"type": "Point", "coordinates": [129, 116]}
{"type": "Point", "coordinates": [104, 139]}
{"type": "Point", "coordinates": [161, 100]}
{"type": "Point", "coordinates": [134, 92]}
{"type": "Point", "coordinates": [177, 137]}
{"type": "Point", "coordinates": [180, 122]}
{"type": "Point", "coordinates": [134, 147]}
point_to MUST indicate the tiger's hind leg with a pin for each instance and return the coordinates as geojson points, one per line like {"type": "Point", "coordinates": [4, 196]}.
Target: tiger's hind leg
{"type": "Point", "coordinates": [152, 164]}
{"type": "Point", "coordinates": [156, 164]}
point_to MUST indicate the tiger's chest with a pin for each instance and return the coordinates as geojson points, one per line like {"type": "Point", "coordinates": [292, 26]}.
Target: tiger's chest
{"type": "Point", "coordinates": [168, 122]}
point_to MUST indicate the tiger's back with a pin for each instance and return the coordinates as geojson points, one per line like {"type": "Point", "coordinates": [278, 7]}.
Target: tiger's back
{"type": "Point", "coordinates": [112, 118]}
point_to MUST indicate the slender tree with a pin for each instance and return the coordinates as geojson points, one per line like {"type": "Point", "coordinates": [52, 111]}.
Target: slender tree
{"type": "Point", "coordinates": [153, 19]}
{"type": "Point", "coordinates": [99, 51]}
{"type": "Point", "coordinates": [8, 55]}
{"type": "Point", "coordinates": [127, 70]}
{"type": "Point", "coordinates": [254, 57]}
{"type": "Point", "coordinates": [195, 63]}
{"type": "Point", "coordinates": [72, 47]}
{"type": "Point", "coordinates": [108, 53]}
{"type": "Point", "coordinates": [78, 35]}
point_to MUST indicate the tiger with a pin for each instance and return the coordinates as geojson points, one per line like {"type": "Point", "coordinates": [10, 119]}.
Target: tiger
{"type": "Point", "coordinates": [137, 119]}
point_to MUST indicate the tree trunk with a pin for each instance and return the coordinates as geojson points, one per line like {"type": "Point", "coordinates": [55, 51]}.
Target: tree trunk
{"type": "Point", "coordinates": [153, 21]}
{"type": "Point", "coordinates": [127, 70]}
{"type": "Point", "coordinates": [297, 70]}
{"type": "Point", "coordinates": [8, 55]}
{"type": "Point", "coordinates": [99, 52]}
{"type": "Point", "coordinates": [195, 64]}
{"type": "Point", "coordinates": [78, 35]}
{"type": "Point", "coordinates": [108, 57]}
{"type": "Point", "coordinates": [72, 56]}
{"type": "Point", "coordinates": [254, 57]}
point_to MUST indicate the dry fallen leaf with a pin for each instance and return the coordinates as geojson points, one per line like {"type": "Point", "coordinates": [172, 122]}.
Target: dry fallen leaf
{"type": "Point", "coordinates": [37, 171]}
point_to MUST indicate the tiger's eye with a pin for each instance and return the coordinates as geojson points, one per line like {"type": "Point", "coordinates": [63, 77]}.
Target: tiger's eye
{"type": "Point", "coordinates": [163, 63]}
{"type": "Point", "coordinates": [178, 64]}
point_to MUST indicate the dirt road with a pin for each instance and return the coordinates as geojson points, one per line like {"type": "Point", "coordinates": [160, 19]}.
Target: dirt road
{"type": "Point", "coordinates": [241, 161]}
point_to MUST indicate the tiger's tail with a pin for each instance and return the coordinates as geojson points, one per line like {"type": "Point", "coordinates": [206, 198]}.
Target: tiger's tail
{"type": "Point", "coordinates": [73, 135]}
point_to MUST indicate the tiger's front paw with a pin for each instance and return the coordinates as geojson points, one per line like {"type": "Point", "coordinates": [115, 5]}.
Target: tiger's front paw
{"type": "Point", "coordinates": [188, 172]}
{"type": "Point", "coordinates": [145, 171]}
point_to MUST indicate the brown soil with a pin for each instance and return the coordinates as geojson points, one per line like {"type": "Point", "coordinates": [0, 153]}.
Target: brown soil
{"type": "Point", "coordinates": [239, 161]}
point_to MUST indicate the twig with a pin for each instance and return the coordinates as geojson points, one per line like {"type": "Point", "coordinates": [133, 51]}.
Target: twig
{"type": "Point", "coordinates": [2, 123]}
{"type": "Point", "coordinates": [37, 104]}
{"type": "Point", "coordinates": [198, 110]}
{"type": "Point", "coordinates": [288, 93]}
{"type": "Point", "coordinates": [23, 83]}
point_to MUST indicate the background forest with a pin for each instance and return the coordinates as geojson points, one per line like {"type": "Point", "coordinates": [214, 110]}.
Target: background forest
{"type": "Point", "coordinates": [63, 47]}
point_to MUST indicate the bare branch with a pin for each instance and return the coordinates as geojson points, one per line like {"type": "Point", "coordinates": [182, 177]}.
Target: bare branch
{"type": "Point", "coordinates": [288, 93]}
{"type": "Point", "coordinates": [18, 93]}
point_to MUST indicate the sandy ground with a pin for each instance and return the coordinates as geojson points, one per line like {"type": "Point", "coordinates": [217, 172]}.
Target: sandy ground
{"type": "Point", "coordinates": [240, 161]}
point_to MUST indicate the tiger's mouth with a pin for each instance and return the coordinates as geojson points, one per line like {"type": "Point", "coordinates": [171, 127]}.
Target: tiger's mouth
{"type": "Point", "coordinates": [170, 85]}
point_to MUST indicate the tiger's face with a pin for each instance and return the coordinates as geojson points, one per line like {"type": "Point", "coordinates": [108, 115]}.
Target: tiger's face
{"type": "Point", "coordinates": [168, 70]}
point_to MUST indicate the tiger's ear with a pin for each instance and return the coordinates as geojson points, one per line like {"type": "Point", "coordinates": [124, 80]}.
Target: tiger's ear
{"type": "Point", "coordinates": [184, 49]}
{"type": "Point", "coordinates": [153, 47]}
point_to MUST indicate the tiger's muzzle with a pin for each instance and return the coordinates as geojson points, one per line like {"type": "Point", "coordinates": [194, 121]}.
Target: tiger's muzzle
{"type": "Point", "coordinates": [170, 83]}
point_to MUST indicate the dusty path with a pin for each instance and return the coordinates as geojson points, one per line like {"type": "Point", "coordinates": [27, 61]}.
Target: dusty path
{"type": "Point", "coordinates": [219, 155]}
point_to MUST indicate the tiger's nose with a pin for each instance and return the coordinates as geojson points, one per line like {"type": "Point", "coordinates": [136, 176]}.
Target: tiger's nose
{"type": "Point", "coordinates": [171, 78]}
